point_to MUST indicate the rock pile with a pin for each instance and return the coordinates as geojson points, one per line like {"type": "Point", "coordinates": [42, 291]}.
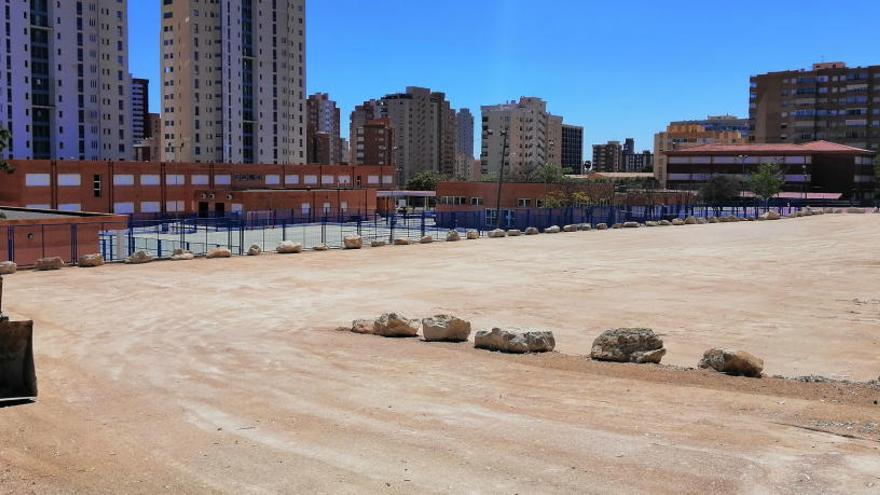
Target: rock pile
{"type": "Point", "coordinates": [289, 247]}
{"type": "Point", "coordinates": [90, 261]}
{"type": "Point", "coordinates": [515, 341]}
{"type": "Point", "coordinates": [49, 263]}
{"type": "Point", "coordinates": [445, 328]}
{"type": "Point", "coordinates": [732, 362]}
{"type": "Point", "coordinates": [628, 345]}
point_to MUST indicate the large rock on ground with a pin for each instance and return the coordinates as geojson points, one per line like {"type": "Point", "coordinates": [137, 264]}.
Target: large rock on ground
{"type": "Point", "coordinates": [677, 222]}
{"type": "Point", "coordinates": [601, 226]}
{"type": "Point", "coordinates": [49, 263]}
{"type": "Point", "coordinates": [182, 255]}
{"type": "Point", "coordinates": [90, 261]}
{"type": "Point", "coordinates": [514, 233]}
{"type": "Point", "coordinates": [664, 223]}
{"type": "Point", "coordinates": [631, 225]}
{"type": "Point", "coordinates": [401, 242]}
{"type": "Point", "coordinates": [218, 253]}
{"type": "Point", "coordinates": [691, 220]}
{"type": "Point", "coordinates": [714, 220]}
{"type": "Point", "coordinates": [651, 223]}
{"type": "Point", "coordinates": [255, 250]}
{"type": "Point", "coordinates": [702, 221]}
{"type": "Point", "coordinates": [628, 345]}
{"type": "Point", "coordinates": [770, 215]}
{"type": "Point", "coordinates": [856, 211]}
{"type": "Point", "coordinates": [585, 227]}
{"type": "Point", "coordinates": [377, 244]}
{"type": "Point", "coordinates": [445, 328]}
{"type": "Point", "coordinates": [532, 231]}
{"type": "Point", "coordinates": [555, 229]}
{"type": "Point", "coordinates": [353, 242]}
{"type": "Point", "coordinates": [515, 341]}
{"type": "Point", "coordinates": [426, 240]}
{"type": "Point", "coordinates": [366, 326]}
{"type": "Point", "coordinates": [289, 247]}
{"type": "Point", "coordinates": [453, 236]}
{"type": "Point", "coordinates": [394, 325]}
{"type": "Point", "coordinates": [321, 248]}
{"type": "Point", "coordinates": [732, 362]}
{"type": "Point", "coordinates": [8, 267]}
{"type": "Point", "coordinates": [570, 228]}
{"type": "Point", "coordinates": [472, 234]}
{"type": "Point", "coordinates": [497, 234]}
{"type": "Point", "coordinates": [139, 258]}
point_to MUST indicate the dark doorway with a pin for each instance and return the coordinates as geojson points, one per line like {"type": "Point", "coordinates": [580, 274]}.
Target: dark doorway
{"type": "Point", "coordinates": [220, 209]}
{"type": "Point", "coordinates": [203, 209]}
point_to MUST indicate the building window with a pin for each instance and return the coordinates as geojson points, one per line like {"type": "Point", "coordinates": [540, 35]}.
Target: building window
{"type": "Point", "coordinates": [524, 203]}
{"type": "Point", "coordinates": [96, 186]}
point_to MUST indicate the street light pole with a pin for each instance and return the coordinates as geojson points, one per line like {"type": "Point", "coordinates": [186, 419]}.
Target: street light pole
{"type": "Point", "coordinates": [500, 177]}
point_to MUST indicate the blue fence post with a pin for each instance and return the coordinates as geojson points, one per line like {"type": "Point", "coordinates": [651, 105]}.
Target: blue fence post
{"type": "Point", "coordinates": [423, 223]}
{"type": "Point", "coordinates": [158, 248]}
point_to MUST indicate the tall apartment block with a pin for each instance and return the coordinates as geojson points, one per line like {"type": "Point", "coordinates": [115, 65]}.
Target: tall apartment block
{"type": "Point", "coordinates": [831, 102]}
{"type": "Point", "coordinates": [140, 109]}
{"type": "Point", "coordinates": [324, 144]}
{"type": "Point", "coordinates": [66, 87]}
{"type": "Point", "coordinates": [423, 129]}
{"type": "Point", "coordinates": [573, 148]}
{"type": "Point", "coordinates": [688, 134]}
{"type": "Point", "coordinates": [464, 144]}
{"type": "Point", "coordinates": [233, 81]}
{"type": "Point", "coordinates": [534, 136]}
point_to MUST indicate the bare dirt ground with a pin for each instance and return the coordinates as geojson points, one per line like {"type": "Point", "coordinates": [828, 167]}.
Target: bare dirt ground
{"type": "Point", "coordinates": [226, 376]}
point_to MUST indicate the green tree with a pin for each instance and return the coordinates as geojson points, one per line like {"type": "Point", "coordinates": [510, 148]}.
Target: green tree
{"type": "Point", "coordinates": [425, 181]}
{"type": "Point", "coordinates": [719, 190]}
{"type": "Point", "coordinates": [877, 176]}
{"type": "Point", "coordinates": [766, 182]}
{"type": "Point", "coordinates": [4, 143]}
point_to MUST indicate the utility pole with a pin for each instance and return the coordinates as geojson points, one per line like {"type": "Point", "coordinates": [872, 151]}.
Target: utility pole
{"type": "Point", "coordinates": [500, 177]}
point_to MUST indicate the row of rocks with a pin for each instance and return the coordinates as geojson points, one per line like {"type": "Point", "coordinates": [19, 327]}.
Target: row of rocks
{"type": "Point", "coordinates": [622, 345]}
{"type": "Point", "coordinates": [446, 328]}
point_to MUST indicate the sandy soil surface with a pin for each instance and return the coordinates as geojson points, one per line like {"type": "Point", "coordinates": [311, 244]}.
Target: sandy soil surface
{"type": "Point", "coordinates": [226, 376]}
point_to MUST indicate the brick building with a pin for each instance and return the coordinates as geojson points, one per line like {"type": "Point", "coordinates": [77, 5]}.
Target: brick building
{"type": "Point", "coordinates": [173, 189]}
{"type": "Point", "coordinates": [816, 168]}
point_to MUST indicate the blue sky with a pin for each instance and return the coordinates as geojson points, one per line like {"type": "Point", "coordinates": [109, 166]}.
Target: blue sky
{"type": "Point", "coordinates": [620, 69]}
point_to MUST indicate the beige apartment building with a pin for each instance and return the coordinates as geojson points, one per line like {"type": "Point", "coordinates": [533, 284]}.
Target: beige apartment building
{"type": "Point", "coordinates": [233, 81]}
{"type": "Point", "coordinates": [65, 80]}
{"type": "Point", "coordinates": [534, 137]}
{"type": "Point", "coordinates": [682, 136]}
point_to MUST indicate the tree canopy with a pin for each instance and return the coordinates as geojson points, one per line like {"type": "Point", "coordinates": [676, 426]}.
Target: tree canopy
{"type": "Point", "coordinates": [767, 181]}
{"type": "Point", "coordinates": [719, 190]}
{"type": "Point", "coordinates": [425, 181]}
{"type": "Point", "coordinates": [4, 143]}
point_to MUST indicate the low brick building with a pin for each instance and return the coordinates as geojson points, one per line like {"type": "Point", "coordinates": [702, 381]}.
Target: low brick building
{"type": "Point", "coordinates": [27, 235]}
{"type": "Point", "coordinates": [175, 189]}
{"type": "Point", "coordinates": [813, 169]}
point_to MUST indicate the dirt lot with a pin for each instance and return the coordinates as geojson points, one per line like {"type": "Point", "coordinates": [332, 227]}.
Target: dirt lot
{"type": "Point", "coordinates": [227, 376]}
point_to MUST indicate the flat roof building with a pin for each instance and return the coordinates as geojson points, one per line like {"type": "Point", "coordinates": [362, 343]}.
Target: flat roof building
{"type": "Point", "coordinates": [818, 167]}
{"type": "Point", "coordinates": [830, 102]}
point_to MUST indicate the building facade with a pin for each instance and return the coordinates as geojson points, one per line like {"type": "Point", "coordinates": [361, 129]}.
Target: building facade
{"type": "Point", "coordinates": [66, 84]}
{"type": "Point", "coordinates": [464, 127]}
{"type": "Point", "coordinates": [230, 91]}
{"type": "Point", "coordinates": [140, 109]}
{"type": "Point", "coordinates": [607, 157]}
{"type": "Point", "coordinates": [830, 102]}
{"type": "Point", "coordinates": [815, 170]}
{"type": "Point", "coordinates": [573, 148]}
{"type": "Point", "coordinates": [169, 189]}
{"type": "Point", "coordinates": [324, 142]}
{"type": "Point", "coordinates": [682, 136]}
{"type": "Point", "coordinates": [719, 123]}
{"type": "Point", "coordinates": [533, 137]}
